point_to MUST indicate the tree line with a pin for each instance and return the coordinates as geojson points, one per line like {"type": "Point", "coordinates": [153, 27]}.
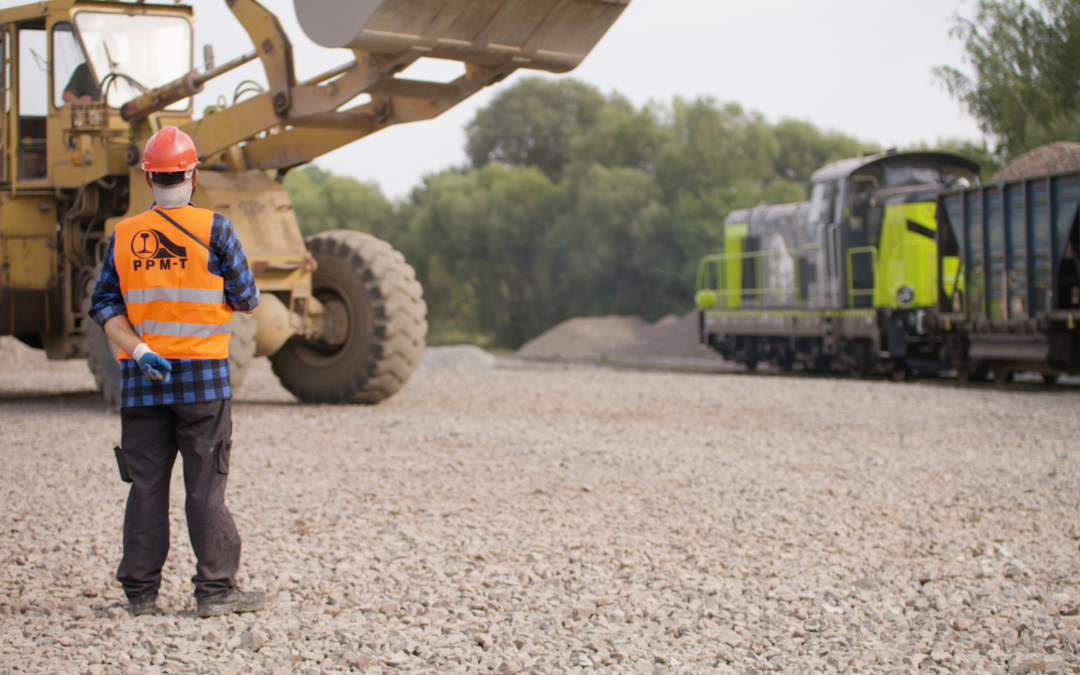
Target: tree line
{"type": "Point", "coordinates": [576, 203]}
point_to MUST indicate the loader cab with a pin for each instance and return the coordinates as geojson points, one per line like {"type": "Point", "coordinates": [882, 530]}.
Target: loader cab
{"type": "Point", "coordinates": [67, 66]}
{"type": "Point", "coordinates": [68, 70]}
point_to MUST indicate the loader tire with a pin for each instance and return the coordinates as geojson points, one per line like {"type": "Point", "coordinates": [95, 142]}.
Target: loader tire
{"type": "Point", "coordinates": [241, 349]}
{"type": "Point", "coordinates": [101, 359]}
{"type": "Point", "coordinates": [380, 324]}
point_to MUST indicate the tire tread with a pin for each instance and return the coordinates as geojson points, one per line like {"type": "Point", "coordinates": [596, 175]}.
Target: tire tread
{"type": "Point", "coordinates": [399, 325]}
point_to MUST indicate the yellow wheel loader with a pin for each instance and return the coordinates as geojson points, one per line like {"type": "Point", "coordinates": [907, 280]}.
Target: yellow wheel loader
{"type": "Point", "coordinates": [87, 83]}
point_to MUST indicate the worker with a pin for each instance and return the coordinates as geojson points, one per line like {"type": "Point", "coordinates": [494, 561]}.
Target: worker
{"type": "Point", "coordinates": [171, 279]}
{"type": "Point", "coordinates": [82, 87]}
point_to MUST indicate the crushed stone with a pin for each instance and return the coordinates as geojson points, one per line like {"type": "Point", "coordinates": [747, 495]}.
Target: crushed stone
{"type": "Point", "coordinates": [570, 519]}
{"type": "Point", "coordinates": [1058, 157]}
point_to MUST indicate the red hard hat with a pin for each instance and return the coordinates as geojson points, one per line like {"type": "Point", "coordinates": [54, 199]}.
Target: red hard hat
{"type": "Point", "coordinates": [168, 151]}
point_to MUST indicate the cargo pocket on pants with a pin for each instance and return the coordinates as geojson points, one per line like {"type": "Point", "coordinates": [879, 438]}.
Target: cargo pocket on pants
{"type": "Point", "coordinates": [121, 464]}
{"type": "Point", "coordinates": [221, 456]}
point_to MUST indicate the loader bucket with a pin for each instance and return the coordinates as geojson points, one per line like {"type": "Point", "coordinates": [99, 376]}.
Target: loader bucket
{"type": "Point", "coordinates": [551, 35]}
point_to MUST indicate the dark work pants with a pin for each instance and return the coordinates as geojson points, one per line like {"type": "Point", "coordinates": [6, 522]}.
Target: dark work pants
{"type": "Point", "coordinates": [150, 438]}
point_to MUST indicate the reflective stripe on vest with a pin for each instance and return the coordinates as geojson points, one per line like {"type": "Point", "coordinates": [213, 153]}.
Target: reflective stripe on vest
{"type": "Point", "coordinates": [177, 329]}
{"type": "Point", "coordinates": [139, 295]}
{"type": "Point", "coordinates": [173, 301]}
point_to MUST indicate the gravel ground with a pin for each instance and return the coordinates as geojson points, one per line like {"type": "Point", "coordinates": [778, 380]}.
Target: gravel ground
{"type": "Point", "coordinates": [545, 518]}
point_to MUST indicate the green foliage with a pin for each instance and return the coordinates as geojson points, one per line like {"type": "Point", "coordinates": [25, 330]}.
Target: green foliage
{"type": "Point", "coordinates": [611, 248]}
{"type": "Point", "coordinates": [324, 201]}
{"type": "Point", "coordinates": [621, 136]}
{"type": "Point", "coordinates": [576, 204]}
{"type": "Point", "coordinates": [783, 191]}
{"type": "Point", "coordinates": [533, 124]}
{"type": "Point", "coordinates": [1026, 61]}
{"type": "Point", "coordinates": [488, 230]}
{"type": "Point", "coordinates": [980, 153]}
{"type": "Point", "coordinates": [714, 148]}
{"type": "Point", "coordinates": [804, 149]}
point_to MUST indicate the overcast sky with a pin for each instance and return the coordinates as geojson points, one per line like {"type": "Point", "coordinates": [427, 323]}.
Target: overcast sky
{"type": "Point", "coordinates": [857, 66]}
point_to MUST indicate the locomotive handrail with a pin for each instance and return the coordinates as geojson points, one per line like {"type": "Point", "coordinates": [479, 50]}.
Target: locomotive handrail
{"type": "Point", "coordinates": [721, 260]}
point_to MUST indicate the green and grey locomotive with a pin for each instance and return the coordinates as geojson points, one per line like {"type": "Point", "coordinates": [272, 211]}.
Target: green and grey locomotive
{"type": "Point", "coordinates": [843, 282]}
{"type": "Point", "coordinates": [902, 263]}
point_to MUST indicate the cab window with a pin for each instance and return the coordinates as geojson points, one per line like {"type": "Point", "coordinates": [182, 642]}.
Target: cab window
{"type": "Point", "coordinates": [33, 100]}
{"type": "Point", "coordinates": [133, 53]}
{"type": "Point", "coordinates": [73, 77]}
{"type": "Point", "coordinates": [904, 176]}
{"type": "Point", "coordinates": [821, 204]}
{"type": "Point", "coordinates": [33, 73]}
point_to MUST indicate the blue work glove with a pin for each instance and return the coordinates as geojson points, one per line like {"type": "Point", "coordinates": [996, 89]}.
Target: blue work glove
{"type": "Point", "coordinates": [154, 368]}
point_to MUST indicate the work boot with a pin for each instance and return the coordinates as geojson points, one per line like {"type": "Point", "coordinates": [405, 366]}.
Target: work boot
{"type": "Point", "coordinates": [232, 601]}
{"type": "Point", "coordinates": [143, 605]}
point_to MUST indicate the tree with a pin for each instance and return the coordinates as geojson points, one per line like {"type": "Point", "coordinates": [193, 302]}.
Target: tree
{"type": "Point", "coordinates": [533, 124]}
{"type": "Point", "coordinates": [323, 201]}
{"type": "Point", "coordinates": [713, 148]}
{"type": "Point", "coordinates": [576, 205]}
{"type": "Point", "coordinates": [803, 149]}
{"type": "Point", "coordinates": [620, 250]}
{"type": "Point", "coordinates": [487, 232]}
{"type": "Point", "coordinates": [621, 137]}
{"type": "Point", "coordinates": [1026, 61]}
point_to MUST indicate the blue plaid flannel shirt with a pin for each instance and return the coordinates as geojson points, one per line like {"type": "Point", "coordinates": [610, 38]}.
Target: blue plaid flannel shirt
{"type": "Point", "coordinates": [192, 380]}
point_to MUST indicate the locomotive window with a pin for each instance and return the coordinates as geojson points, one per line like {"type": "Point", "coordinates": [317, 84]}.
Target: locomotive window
{"type": "Point", "coordinates": [859, 205]}
{"type": "Point", "coordinates": [821, 204]}
{"type": "Point", "coordinates": [863, 184]}
{"type": "Point", "coordinates": [874, 215]}
{"type": "Point", "coordinates": [957, 178]}
{"type": "Point", "coordinates": [903, 176]}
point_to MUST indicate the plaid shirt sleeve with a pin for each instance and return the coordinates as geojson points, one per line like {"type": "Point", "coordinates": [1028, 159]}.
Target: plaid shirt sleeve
{"type": "Point", "coordinates": [107, 300]}
{"type": "Point", "coordinates": [241, 293]}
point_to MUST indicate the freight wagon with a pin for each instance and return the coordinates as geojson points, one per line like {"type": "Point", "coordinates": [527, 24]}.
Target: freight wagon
{"type": "Point", "coordinates": [1019, 297]}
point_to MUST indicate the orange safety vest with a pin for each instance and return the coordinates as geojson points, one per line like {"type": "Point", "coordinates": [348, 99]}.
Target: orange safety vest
{"type": "Point", "coordinates": [173, 301]}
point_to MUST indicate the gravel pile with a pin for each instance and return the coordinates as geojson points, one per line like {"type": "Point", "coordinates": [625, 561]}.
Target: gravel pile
{"type": "Point", "coordinates": [621, 337]}
{"type": "Point", "coordinates": [456, 357]}
{"type": "Point", "coordinates": [570, 519]}
{"type": "Point", "coordinates": [1051, 158]}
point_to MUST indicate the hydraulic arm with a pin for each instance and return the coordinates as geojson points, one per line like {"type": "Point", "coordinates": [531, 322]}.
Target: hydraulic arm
{"type": "Point", "coordinates": [492, 39]}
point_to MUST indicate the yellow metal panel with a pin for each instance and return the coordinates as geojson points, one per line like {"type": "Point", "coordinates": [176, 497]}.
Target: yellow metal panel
{"type": "Point", "coordinates": [907, 256]}
{"type": "Point", "coordinates": [28, 216]}
{"type": "Point", "coordinates": [258, 208]}
{"type": "Point", "coordinates": [30, 262]}
{"type": "Point", "coordinates": [552, 35]}
{"type": "Point", "coordinates": [734, 241]}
